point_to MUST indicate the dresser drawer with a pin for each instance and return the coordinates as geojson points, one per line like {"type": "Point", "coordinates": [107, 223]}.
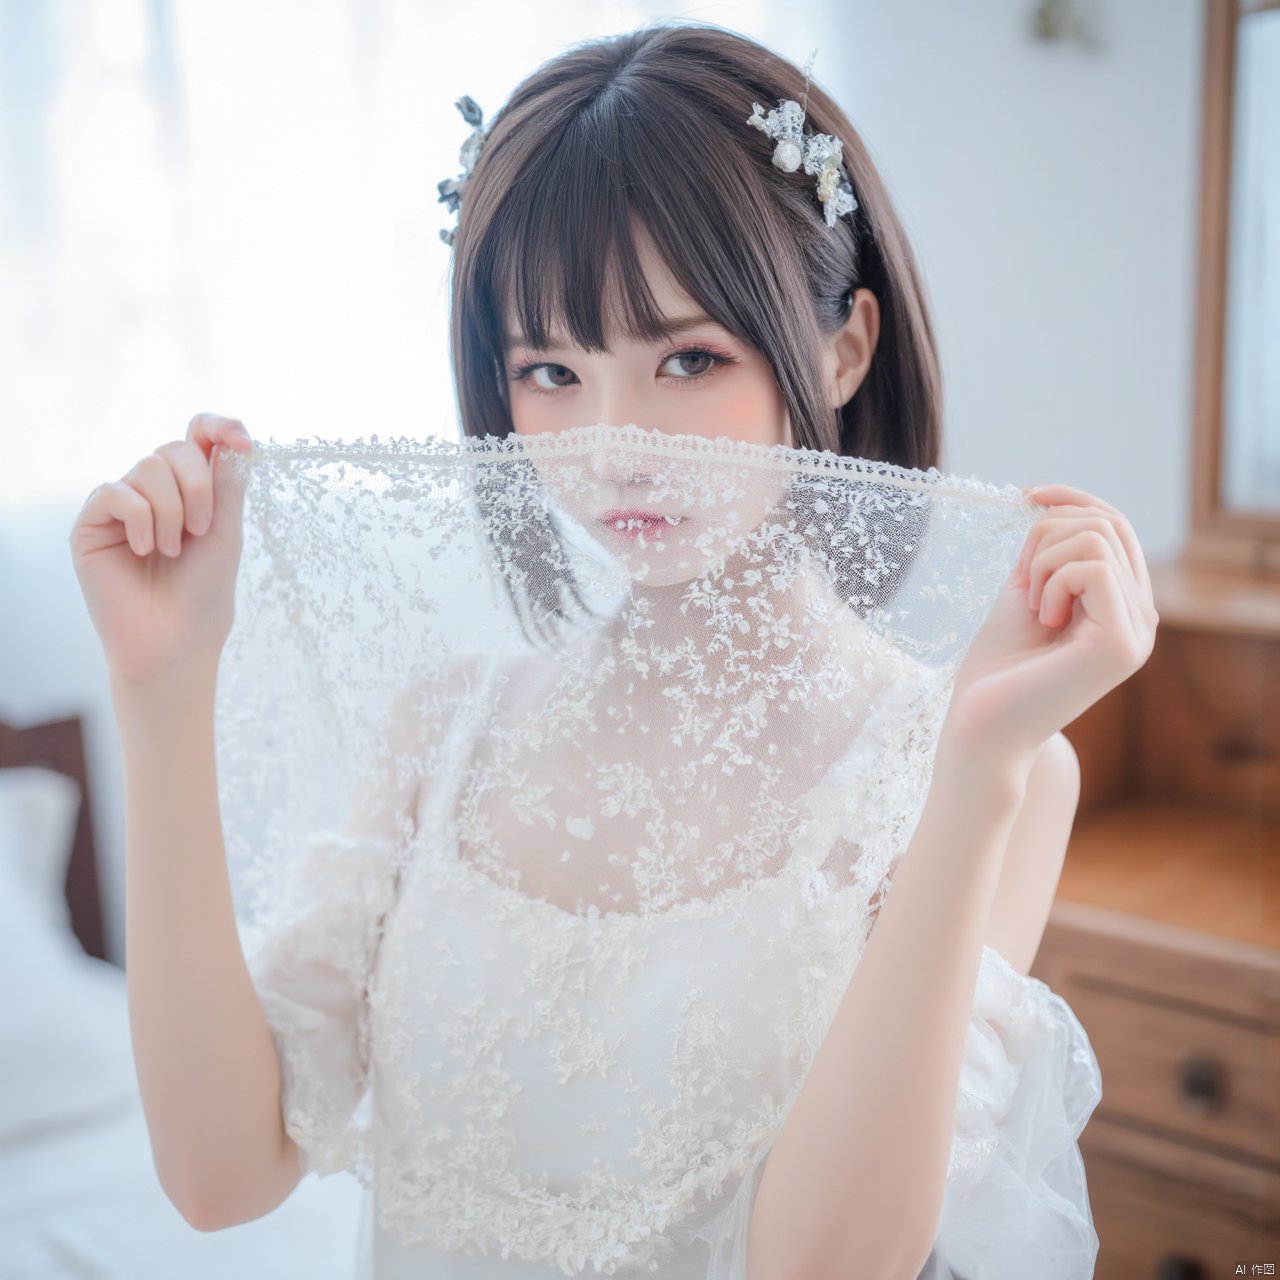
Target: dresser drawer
{"type": "Point", "coordinates": [1186, 1029]}
{"type": "Point", "coordinates": [1192, 1072]}
{"type": "Point", "coordinates": [1161, 1211]}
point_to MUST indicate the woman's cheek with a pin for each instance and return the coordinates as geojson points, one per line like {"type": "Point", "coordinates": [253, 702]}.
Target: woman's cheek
{"type": "Point", "coordinates": [749, 411]}
{"type": "Point", "coordinates": [528, 414]}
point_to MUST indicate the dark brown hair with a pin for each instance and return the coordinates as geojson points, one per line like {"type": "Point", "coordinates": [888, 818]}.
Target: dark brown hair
{"type": "Point", "coordinates": [650, 127]}
{"type": "Point", "coordinates": [649, 130]}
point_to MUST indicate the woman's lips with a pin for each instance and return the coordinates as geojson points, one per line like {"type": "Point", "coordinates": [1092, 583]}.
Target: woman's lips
{"type": "Point", "coordinates": [631, 525]}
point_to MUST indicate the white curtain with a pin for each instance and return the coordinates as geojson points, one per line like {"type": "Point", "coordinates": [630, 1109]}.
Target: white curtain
{"type": "Point", "coordinates": [231, 205]}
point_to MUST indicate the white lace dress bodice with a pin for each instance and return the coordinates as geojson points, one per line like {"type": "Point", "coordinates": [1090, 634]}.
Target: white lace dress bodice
{"type": "Point", "coordinates": [487, 1063]}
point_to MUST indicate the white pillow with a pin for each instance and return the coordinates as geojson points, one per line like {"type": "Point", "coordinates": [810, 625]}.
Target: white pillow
{"type": "Point", "coordinates": [66, 1056]}
{"type": "Point", "coordinates": [38, 812]}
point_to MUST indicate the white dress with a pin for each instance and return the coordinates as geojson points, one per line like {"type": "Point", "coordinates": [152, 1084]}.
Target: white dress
{"type": "Point", "coordinates": [472, 1053]}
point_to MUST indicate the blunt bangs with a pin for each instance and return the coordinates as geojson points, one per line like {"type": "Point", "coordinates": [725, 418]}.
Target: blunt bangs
{"type": "Point", "coordinates": [565, 257]}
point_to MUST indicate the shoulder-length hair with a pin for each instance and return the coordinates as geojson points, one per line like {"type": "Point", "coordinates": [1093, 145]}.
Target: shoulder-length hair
{"type": "Point", "coordinates": [649, 129]}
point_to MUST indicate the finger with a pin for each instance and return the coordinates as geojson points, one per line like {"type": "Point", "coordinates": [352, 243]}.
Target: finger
{"type": "Point", "coordinates": [209, 429]}
{"type": "Point", "coordinates": [1057, 494]}
{"type": "Point", "coordinates": [1094, 584]}
{"type": "Point", "coordinates": [1087, 544]}
{"type": "Point", "coordinates": [191, 469]}
{"type": "Point", "coordinates": [1054, 529]}
{"type": "Point", "coordinates": [1071, 504]}
{"type": "Point", "coordinates": [118, 504]}
{"type": "Point", "coordinates": [153, 478]}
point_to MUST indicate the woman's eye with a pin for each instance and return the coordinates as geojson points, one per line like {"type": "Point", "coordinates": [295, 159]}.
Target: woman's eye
{"type": "Point", "coordinates": [695, 356]}
{"type": "Point", "coordinates": [553, 371]}
{"type": "Point", "coordinates": [559, 376]}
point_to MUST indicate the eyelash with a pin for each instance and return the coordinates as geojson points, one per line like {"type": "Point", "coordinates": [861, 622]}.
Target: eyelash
{"type": "Point", "coordinates": [521, 372]}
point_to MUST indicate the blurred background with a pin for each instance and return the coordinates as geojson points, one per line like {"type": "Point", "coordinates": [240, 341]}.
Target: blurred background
{"type": "Point", "coordinates": [231, 206]}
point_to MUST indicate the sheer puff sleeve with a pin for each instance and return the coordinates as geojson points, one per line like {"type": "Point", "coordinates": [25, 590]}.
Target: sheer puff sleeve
{"type": "Point", "coordinates": [309, 956]}
{"type": "Point", "coordinates": [1016, 1203]}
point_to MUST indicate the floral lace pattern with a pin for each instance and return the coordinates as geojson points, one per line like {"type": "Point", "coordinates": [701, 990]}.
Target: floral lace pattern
{"type": "Point", "coordinates": [691, 1060]}
{"type": "Point", "coordinates": [597, 752]}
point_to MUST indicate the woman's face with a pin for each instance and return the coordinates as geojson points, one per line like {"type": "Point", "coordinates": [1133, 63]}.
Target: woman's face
{"type": "Point", "coordinates": [666, 518]}
{"type": "Point", "coordinates": [702, 381]}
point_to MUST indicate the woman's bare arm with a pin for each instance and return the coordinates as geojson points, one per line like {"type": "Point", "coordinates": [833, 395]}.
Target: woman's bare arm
{"type": "Point", "coordinates": [855, 1182]}
{"type": "Point", "coordinates": [206, 1062]}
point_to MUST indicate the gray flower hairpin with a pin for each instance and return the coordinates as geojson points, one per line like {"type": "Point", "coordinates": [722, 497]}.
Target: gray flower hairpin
{"type": "Point", "coordinates": [820, 153]}
{"type": "Point", "coordinates": [451, 189]}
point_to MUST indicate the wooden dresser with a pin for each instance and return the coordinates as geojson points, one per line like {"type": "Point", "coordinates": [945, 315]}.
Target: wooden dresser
{"type": "Point", "coordinates": [1165, 937]}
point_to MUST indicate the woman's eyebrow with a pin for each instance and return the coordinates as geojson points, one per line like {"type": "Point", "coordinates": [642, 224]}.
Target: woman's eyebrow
{"type": "Point", "coordinates": [674, 325]}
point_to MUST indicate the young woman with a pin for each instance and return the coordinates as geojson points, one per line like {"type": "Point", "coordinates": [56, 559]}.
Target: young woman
{"type": "Point", "coordinates": [628, 252]}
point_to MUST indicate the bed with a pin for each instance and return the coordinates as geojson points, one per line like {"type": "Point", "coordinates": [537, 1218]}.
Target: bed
{"type": "Point", "coordinates": [79, 1196]}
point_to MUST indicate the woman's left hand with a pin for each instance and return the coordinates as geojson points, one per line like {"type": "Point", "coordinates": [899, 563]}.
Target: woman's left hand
{"type": "Point", "coordinates": [1075, 619]}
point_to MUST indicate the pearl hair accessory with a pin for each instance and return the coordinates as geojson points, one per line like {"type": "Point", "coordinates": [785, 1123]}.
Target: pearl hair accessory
{"type": "Point", "coordinates": [820, 153]}
{"type": "Point", "coordinates": [450, 189]}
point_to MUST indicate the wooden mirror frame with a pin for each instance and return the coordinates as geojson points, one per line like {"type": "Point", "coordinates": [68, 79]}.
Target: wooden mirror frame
{"type": "Point", "coordinates": [1220, 536]}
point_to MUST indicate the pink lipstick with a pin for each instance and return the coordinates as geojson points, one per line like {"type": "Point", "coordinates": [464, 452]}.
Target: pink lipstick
{"type": "Point", "coordinates": [630, 525]}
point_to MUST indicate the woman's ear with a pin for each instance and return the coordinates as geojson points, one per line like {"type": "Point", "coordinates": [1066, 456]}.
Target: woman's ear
{"type": "Point", "coordinates": [847, 356]}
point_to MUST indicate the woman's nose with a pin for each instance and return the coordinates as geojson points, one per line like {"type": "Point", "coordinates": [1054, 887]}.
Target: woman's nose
{"type": "Point", "coordinates": [616, 408]}
{"type": "Point", "coordinates": [620, 467]}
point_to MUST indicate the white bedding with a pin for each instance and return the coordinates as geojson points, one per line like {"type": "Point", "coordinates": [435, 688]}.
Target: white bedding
{"type": "Point", "coordinates": [79, 1195]}
{"type": "Point", "coordinates": [84, 1202]}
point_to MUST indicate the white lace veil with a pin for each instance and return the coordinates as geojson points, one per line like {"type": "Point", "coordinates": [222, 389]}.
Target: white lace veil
{"type": "Point", "coordinates": [484, 656]}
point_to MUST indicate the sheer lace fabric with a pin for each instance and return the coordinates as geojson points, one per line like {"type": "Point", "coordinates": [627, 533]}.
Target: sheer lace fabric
{"type": "Point", "coordinates": [574, 829]}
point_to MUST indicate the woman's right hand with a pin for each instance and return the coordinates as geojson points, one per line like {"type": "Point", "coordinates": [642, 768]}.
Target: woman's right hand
{"type": "Point", "coordinates": [156, 599]}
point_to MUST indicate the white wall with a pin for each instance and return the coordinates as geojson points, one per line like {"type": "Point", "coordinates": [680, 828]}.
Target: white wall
{"type": "Point", "coordinates": [1050, 194]}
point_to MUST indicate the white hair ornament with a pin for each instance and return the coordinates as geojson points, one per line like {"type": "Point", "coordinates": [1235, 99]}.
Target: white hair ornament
{"type": "Point", "coordinates": [820, 153]}
{"type": "Point", "coordinates": [450, 189]}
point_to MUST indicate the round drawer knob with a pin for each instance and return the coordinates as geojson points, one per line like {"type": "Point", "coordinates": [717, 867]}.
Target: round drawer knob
{"type": "Point", "coordinates": [1176, 1267]}
{"type": "Point", "coordinates": [1202, 1083]}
